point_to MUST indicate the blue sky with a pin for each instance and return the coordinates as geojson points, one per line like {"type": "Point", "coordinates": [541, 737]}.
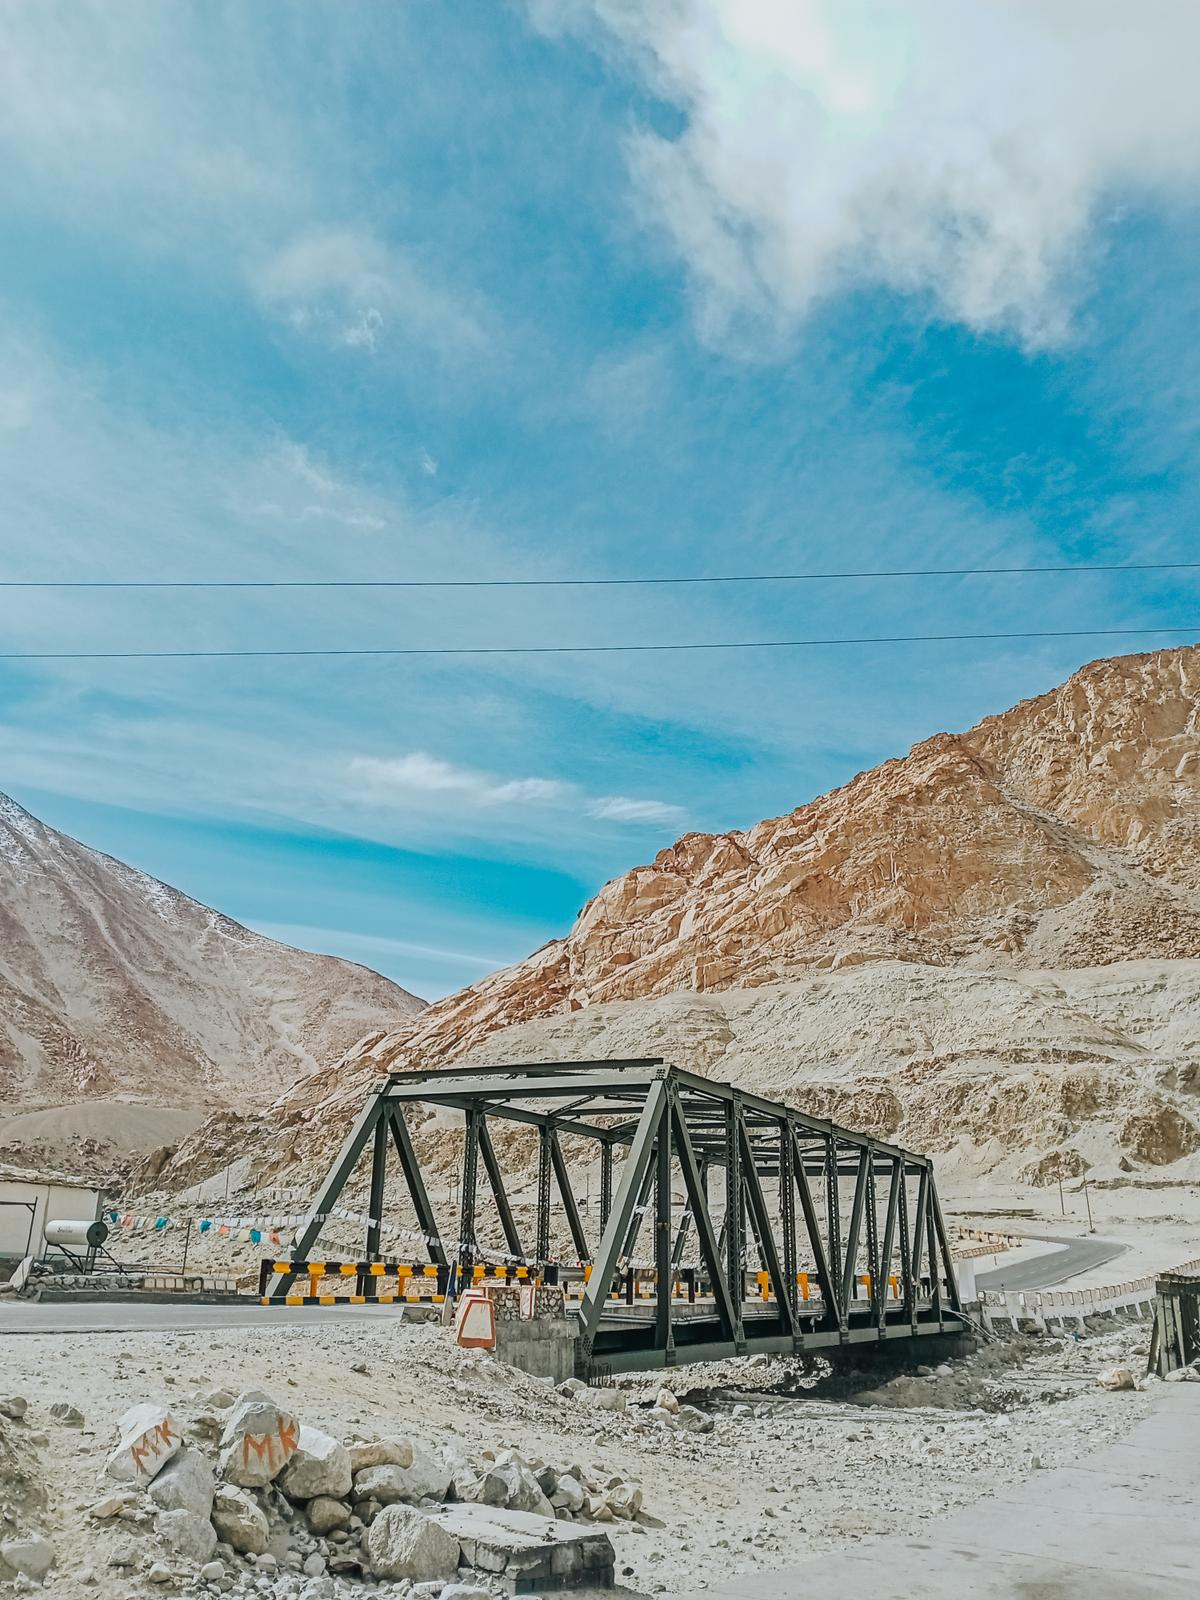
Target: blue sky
{"type": "Point", "coordinates": [597, 288]}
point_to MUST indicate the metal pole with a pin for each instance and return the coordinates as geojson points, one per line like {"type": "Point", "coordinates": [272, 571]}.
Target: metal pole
{"type": "Point", "coordinates": [1062, 1199]}
{"type": "Point", "coordinates": [1087, 1201]}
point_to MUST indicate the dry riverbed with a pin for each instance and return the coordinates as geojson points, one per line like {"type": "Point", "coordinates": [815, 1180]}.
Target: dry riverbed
{"type": "Point", "coordinates": [772, 1478]}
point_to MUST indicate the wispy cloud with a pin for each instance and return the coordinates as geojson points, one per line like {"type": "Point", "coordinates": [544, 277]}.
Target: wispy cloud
{"type": "Point", "coordinates": [346, 287]}
{"type": "Point", "coordinates": [420, 774]}
{"type": "Point", "coordinates": [959, 152]}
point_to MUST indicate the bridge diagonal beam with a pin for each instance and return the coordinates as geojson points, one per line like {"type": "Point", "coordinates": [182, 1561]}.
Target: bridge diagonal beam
{"type": "Point", "coordinates": [414, 1178]}
{"type": "Point", "coordinates": [816, 1243]}
{"type": "Point", "coordinates": [710, 1248]}
{"type": "Point", "coordinates": [491, 1166]}
{"type": "Point", "coordinates": [567, 1194]}
{"type": "Point", "coordinates": [766, 1235]}
{"type": "Point", "coordinates": [633, 1175]}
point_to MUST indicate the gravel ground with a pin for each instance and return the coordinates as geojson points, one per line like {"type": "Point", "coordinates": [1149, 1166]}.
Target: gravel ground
{"type": "Point", "coordinates": [775, 1478]}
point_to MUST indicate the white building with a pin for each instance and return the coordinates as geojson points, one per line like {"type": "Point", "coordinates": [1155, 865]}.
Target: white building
{"type": "Point", "coordinates": [29, 1200]}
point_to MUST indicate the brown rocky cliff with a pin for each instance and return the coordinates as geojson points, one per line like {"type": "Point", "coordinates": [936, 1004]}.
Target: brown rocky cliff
{"type": "Point", "coordinates": [1062, 832]}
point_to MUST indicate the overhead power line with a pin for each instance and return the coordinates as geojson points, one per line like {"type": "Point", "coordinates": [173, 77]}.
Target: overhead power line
{"type": "Point", "coordinates": [589, 583]}
{"type": "Point", "coordinates": [591, 649]}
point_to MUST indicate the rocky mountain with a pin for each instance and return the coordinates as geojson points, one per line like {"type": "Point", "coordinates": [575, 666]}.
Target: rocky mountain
{"type": "Point", "coordinates": [116, 988]}
{"type": "Point", "coordinates": [964, 884]}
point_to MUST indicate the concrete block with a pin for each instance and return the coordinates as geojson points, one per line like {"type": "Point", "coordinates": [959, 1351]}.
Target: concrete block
{"type": "Point", "coordinates": [528, 1553]}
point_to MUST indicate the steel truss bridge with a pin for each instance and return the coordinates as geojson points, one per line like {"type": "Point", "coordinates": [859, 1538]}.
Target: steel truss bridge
{"type": "Point", "coordinates": [795, 1234]}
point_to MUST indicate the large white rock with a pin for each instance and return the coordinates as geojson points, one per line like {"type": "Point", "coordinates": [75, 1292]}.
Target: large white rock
{"type": "Point", "coordinates": [149, 1436]}
{"type": "Point", "coordinates": [184, 1484]}
{"type": "Point", "coordinates": [425, 1479]}
{"type": "Point", "coordinates": [258, 1442]}
{"type": "Point", "coordinates": [188, 1535]}
{"type": "Point", "coordinates": [380, 1453]}
{"type": "Point", "coordinates": [606, 1399]}
{"type": "Point", "coordinates": [239, 1521]}
{"type": "Point", "coordinates": [402, 1543]}
{"type": "Point", "coordinates": [319, 1466]}
{"type": "Point", "coordinates": [32, 1557]}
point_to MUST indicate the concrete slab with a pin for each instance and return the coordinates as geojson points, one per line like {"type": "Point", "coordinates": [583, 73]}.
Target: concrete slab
{"type": "Point", "coordinates": [1118, 1526]}
{"type": "Point", "coordinates": [530, 1554]}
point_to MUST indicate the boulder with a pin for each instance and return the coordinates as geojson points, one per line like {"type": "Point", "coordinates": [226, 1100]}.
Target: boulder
{"type": "Point", "coordinates": [319, 1466]}
{"type": "Point", "coordinates": [403, 1543]}
{"type": "Point", "coordinates": [258, 1441]}
{"type": "Point", "coordinates": [380, 1453]}
{"type": "Point", "coordinates": [325, 1514]}
{"type": "Point", "coordinates": [509, 1482]}
{"type": "Point", "coordinates": [625, 1500]}
{"type": "Point", "coordinates": [188, 1535]}
{"type": "Point", "coordinates": [67, 1416]}
{"type": "Point", "coordinates": [30, 1557]}
{"type": "Point", "coordinates": [1117, 1378]}
{"type": "Point", "coordinates": [694, 1420]}
{"type": "Point", "coordinates": [425, 1479]}
{"type": "Point", "coordinates": [184, 1484]}
{"type": "Point", "coordinates": [14, 1407]}
{"type": "Point", "coordinates": [238, 1520]}
{"type": "Point", "coordinates": [569, 1495]}
{"type": "Point", "coordinates": [572, 1387]}
{"type": "Point", "coordinates": [667, 1401]}
{"type": "Point", "coordinates": [160, 1572]}
{"type": "Point", "coordinates": [607, 1399]}
{"type": "Point", "coordinates": [149, 1437]}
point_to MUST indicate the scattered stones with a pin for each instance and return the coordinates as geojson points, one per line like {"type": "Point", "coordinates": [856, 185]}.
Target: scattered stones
{"type": "Point", "coordinates": [149, 1436]}
{"type": "Point", "coordinates": [404, 1543]}
{"type": "Point", "coordinates": [424, 1479]}
{"type": "Point", "coordinates": [212, 1571]}
{"type": "Point", "coordinates": [112, 1505]}
{"type": "Point", "coordinates": [326, 1515]}
{"type": "Point", "coordinates": [239, 1521]}
{"type": "Point", "coordinates": [258, 1441]}
{"type": "Point", "coordinates": [160, 1573]}
{"type": "Point", "coordinates": [319, 1466]}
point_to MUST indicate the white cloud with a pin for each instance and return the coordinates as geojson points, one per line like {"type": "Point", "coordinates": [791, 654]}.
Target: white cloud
{"type": "Point", "coordinates": [421, 775]}
{"type": "Point", "coordinates": [620, 808]}
{"type": "Point", "coordinates": [348, 288]}
{"type": "Point", "coordinates": [956, 151]}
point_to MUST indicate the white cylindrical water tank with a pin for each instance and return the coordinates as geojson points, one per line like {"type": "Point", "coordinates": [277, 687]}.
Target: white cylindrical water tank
{"type": "Point", "coordinates": [75, 1235]}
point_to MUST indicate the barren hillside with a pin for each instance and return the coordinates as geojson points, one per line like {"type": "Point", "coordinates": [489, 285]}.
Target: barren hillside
{"type": "Point", "coordinates": [115, 987]}
{"type": "Point", "coordinates": [1060, 836]}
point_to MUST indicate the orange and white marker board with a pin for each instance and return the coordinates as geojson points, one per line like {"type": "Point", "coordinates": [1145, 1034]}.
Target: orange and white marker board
{"type": "Point", "coordinates": [475, 1322]}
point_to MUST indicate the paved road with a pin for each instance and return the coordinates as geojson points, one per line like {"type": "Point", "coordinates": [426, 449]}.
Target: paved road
{"type": "Point", "coordinates": [1056, 1266]}
{"type": "Point", "coordinates": [1120, 1525]}
{"type": "Point", "coordinates": [114, 1317]}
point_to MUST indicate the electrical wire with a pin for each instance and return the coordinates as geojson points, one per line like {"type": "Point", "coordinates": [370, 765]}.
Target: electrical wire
{"type": "Point", "coordinates": [592, 649]}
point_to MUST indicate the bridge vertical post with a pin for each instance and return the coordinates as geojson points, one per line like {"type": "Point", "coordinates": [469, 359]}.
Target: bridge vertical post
{"type": "Point", "coordinates": [465, 1253]}
{"type": "Point", "coordinates": [367, 1280]}
{"type": "Point", "coordinates": [759, 1215]}
{"type": "Point", "coordinates": [907, 1280]}
{"type": "Point", "coordinates": [734, 1202]}
{"type": "Point", "coordinates": [606, 1183]}
{"type": "Point", "coordinates": [542, 1249]}
{"type": "Point", "coordinates": [787, 1217]}
{"type": "Point", "coordinates": [872, 1233]}
{"type": "Point", "coordinates": [833, 1233]}
{"type": "Point", "coordinates": [664, 1338]}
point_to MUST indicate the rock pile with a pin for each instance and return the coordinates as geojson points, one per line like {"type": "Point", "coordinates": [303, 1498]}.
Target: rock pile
{"type": "Point", "coordinates": [239, 1496]}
